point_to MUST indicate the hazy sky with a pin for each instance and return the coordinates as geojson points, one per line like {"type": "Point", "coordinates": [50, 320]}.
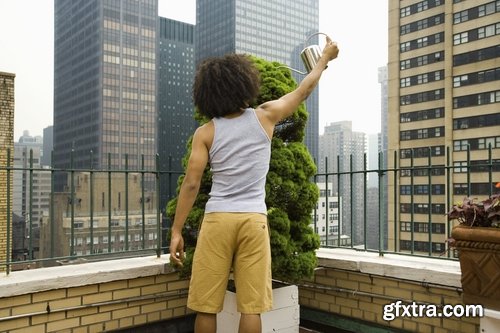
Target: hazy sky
{"type": "Point", "coordinates": [349, 89]}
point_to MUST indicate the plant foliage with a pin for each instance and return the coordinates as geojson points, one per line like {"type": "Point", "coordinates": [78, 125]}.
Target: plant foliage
{"type": "Point", "coordinates": [474, 213]}
{"type": "Point", "coordinates": [290, 194]}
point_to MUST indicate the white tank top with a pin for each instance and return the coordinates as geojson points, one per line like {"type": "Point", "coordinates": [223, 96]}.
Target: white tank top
{"type": "Point", "coordinates": [239, 160]}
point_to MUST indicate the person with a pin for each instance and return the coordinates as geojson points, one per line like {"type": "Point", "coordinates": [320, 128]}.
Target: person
{"type": "Point", "coordinates": [237, 143]}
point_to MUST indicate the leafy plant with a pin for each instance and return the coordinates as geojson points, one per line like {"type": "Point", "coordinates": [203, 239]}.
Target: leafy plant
{"type": "Point", "coordinates": [290, 194]}
{"type": "Point", "coordinates": [474, 213]}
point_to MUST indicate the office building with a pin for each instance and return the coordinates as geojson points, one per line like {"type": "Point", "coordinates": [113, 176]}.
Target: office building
{"type": "Point", "coordinates": [48, 146]}
{"type": "Point", "coordinates": [341, 150]}
{"type": "Point", "coordinates": [443, 73]}
{"type": "Point", "coordinates": [275, 30]}
{"type": "Point", "coordinates": [105, 84]}
{"type": "Point", "coordinates": [176, 121]}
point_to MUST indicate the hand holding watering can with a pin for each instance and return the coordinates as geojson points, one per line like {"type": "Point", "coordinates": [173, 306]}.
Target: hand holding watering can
{"type": "Point", "coordinates": [311, 54]}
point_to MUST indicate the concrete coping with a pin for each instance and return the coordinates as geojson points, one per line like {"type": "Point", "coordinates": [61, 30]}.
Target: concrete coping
{"type": "Point", "coordinates": [412, 268]}
{"type": "Point", "coordinates": [422, 270]}
{"type": "Point", "coordinates": [67, 276]}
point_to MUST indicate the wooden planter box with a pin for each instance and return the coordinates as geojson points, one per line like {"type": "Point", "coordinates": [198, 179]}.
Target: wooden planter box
{"type": "Point", "coordinates": [284, 317]}
{"type": "Point", "coordinates": [479, 254]}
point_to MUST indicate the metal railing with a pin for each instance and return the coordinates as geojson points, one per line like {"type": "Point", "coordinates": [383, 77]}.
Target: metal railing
{"type": "Point", "coordinates": [102, 214]}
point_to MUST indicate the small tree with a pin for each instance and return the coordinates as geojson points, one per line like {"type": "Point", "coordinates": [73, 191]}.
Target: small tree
{"type": "Point", "coordinates": [290, 194]}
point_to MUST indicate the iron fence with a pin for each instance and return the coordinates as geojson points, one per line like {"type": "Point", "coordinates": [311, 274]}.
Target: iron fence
{"type": "Point", "coordinates": [98, 214]}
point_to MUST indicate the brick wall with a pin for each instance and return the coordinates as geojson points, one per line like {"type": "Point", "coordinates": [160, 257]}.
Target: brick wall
{"type": "Point", "coordinates": [6, 142]}
{"type": "Point", "coordinates": [360, 291]}
{"type": "Point", "coordinates": [92, 306]}
{"type": "Point", "coordinates": [124, 293]}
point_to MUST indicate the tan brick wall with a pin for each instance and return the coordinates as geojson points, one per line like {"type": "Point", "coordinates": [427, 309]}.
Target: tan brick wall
{"type": "Point", "coordinates": [6, 142]}
{"type": "Point", "coordinates": [382, 290]}
{"type": "Point", "coordinates": [98, 307]}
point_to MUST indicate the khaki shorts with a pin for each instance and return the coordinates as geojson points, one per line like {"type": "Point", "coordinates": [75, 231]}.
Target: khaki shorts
{"type": "Point", "coordinates": [240, 241]}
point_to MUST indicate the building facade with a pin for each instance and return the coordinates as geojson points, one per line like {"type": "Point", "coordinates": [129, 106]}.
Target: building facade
{"type": "Point", "coordinates": [6, 144]}
{"type": "Point", "coordinates": [342, 150]}
{"type": "Point", "coordinates": [326, 218]}
{"type": "Point", "coordinates": [105, 84]}
{"type": "Point", "coordinates": [444, 72]}
{"type": "Point", "coordinates": [176, 122]}
{"type": "Point", "coordinates": [101, 213]}
{"type": "Point", "coordinates": [275, 30]}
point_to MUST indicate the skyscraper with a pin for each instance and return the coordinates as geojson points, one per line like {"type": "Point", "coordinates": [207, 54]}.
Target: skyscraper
{"type": "Point", "coordinates": [443, 108]}
{"type": "Point", "coordinates": [275, 30]}
{"type": "Point", "coordinates": [105, 83]}
{"type": "Point", "coordinates": [176, 121]}
{"type": "Point", "coordinates": [344, 151]}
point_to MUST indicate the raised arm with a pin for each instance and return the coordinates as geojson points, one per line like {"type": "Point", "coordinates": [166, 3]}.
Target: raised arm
{"type": "Point", "coordinates": [276, 110]}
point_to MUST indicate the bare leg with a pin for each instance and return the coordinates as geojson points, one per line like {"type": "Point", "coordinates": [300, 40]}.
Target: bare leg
{"type": "Point", "coordinates": [205, 323]}
{"type": "Point", "coordinates": [250, 323]}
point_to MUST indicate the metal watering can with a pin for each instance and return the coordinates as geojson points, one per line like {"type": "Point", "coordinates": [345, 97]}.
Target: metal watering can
{"type": "Point", "coordinates": [309, 56]}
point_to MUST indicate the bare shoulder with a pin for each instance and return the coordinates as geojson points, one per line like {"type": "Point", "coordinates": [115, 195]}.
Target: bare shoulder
{"type": "Point", "coordinates": [205, 134]}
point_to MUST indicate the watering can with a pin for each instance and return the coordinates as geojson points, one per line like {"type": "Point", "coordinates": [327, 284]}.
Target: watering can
{"type": "Point", "coordinates": [309, 56]}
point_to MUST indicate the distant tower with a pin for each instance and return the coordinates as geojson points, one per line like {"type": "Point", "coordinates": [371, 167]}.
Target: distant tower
{"type": "Point", "coordinates": [105, 84]}
{"type": "Point", "coordinates": [274, 30]}
{"type": "Point", "coordinates": [340, 143]}
{"type": "Point", "coordinates": [6, 144]}
{"type": "Point", "coordinates": [176, 110]}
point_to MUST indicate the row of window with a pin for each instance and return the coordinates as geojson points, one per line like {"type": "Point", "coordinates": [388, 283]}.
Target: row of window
{"type": "Point", "coordinates": [421, 152]}
{"type": "Point", "coordinates": [421, 24]}
{"type": "Point", "coordinates": [422, 133]}
{"type": "Point", "coordinates": [421, 78]}
{"type": "Point", "coordinates": [489, 97]}
{"type": "Point", "coordinates": [476, 55]}
{"type": "Point", "coordinates": [435, 170]}
{"type": "Point", "coordinates": [435, 189]}
{"type": "Point", "coordinates": [405, 245]}
{"type": "Point", "coordinates": [476, 144]}
{"type": "Point", "coordinates": [420, 7]}
{"type": "Point", "coordinates": [422, 208]}
{"type": "Point", "coordinates": [477, 121]}
{"type": "Point", "coordinates": [474, 189]}
{"type": "Point", "coordinates": [420, 115]}
{"type": "Point", "coordinates": [476, 77]}
{"type": "Point", "coordinates": [475, 12]}
{"type": "Point", "coordinates": [423, 96]}
{"type": "Point", "coordinates": [476, 34]}
{"type": "Point", "coordinates": [423, 60]}
{"type": "Point", "coordinates": [422, 42]}
{"type": "Point", "coordinates": [476, 166]}
{"type": "Point", "coordinates": [78, 241]}
{"type": "Point", "coordinates": [437, 228]}
{"type": "Point", "coordinates": [331, 205]}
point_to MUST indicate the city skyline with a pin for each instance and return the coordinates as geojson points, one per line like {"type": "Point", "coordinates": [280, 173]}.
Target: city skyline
{"type": "Point", "coordinates": [30, 57]}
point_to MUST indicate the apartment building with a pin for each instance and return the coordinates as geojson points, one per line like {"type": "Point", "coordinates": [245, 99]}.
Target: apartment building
{"type": "Point", "coordinates": [444, 114]}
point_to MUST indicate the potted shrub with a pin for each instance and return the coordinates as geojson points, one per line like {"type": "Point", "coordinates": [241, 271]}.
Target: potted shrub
{"type": "Point", "coordinates": [291, 196]}
{"type": "Point", "coordinates": [477, 239]}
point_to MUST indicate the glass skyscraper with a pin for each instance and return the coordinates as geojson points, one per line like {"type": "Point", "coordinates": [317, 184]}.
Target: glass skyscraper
{"type": "Point", "coordinates": [275, 30]}
{"type": "Point", "coordinates": [176, 121]}
{"type": "Point", "coordinates": [105, 83]}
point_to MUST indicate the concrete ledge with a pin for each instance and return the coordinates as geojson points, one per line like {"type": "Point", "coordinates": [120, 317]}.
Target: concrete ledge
{"type": "Point", "coordinates": [51, 278]}
{"type": "Point", "coordinates": [423, 270]}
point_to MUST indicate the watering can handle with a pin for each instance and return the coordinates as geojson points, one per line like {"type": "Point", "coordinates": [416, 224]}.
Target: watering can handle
{"type": "Point", "coordinates": [314, 34]}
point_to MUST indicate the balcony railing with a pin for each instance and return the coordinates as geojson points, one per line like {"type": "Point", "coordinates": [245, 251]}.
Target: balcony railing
{"type": "Point", "coordinates": [101, 213]}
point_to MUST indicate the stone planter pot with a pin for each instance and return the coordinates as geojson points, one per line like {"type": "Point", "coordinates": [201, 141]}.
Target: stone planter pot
{"type": "Point", "coordinates": [479, 254]}
{"type": "Point", "coordinates": [284, 317]}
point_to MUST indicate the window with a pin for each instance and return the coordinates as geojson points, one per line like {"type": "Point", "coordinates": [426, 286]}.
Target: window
{"type": "Point", "coordinates": [460, 38]}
